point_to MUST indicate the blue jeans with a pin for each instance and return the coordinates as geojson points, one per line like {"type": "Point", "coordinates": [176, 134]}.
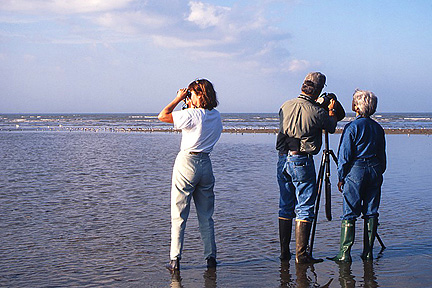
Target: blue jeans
{"type": "Point", "coordinates": [287, 199]}
{"type": "Point", "coordinates": [301, 171]}
{"type": "Point", "coordinates": [192, 178]}
{"type": "Point", "coordinates": [362, 189]}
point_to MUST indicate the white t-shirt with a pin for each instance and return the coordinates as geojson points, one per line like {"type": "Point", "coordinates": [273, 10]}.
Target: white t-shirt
{"type": "Point", "coordinates": [201, 128]}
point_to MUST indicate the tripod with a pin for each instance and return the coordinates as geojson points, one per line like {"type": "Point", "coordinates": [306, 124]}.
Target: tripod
{"type": "Point", "coordinates": [324, 176]}
{"type": "Point", "coordinates": [324, 170]}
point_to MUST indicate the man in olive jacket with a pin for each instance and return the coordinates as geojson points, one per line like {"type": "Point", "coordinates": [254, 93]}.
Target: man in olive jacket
{"type": "Point", "coordinates": [300, 137]}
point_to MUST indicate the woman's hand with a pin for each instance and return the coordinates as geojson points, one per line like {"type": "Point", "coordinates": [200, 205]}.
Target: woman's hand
{"type": "Point", "coordinates": [166, 114]}
{"type": "Point", "coordinates": [182, 94]}
{"type": "Point", "coordinates": [340, 186]}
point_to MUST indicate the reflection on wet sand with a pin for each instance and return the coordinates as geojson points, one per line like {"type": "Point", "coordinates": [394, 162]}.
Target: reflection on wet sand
{"type": "Point", "coordinates": [346, 279]}
{"type": "Point", "coordinates": [209, 279]}
{"type": "Point", "coordinates": [176, 280]}
{"type": "Point", "coordinates": [370, 280]}
{"type": "Point", "coordinates": [286, 280]}
{"type": "Point", "coordinates": [305, 276]}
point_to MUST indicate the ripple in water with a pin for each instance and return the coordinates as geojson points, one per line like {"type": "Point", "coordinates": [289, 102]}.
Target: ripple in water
{"type": "Point", "coordinates": [92, 209]}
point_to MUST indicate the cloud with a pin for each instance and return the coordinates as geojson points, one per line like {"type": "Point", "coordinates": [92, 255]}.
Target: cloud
{"type": "Point", "coordinates": [206, 15]}
{"type": "Point", "coordinates": [178, 43]}
{"type": "Point", "coordinates": [130, 22]}
{"type": "Point", "coordinates": [62, 6]}
{"type": "Point", "coordinates": [243, 33]}
{"type": "Point", "coordinates": [298, 65]}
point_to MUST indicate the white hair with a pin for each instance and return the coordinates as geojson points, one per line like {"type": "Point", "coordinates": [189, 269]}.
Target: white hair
{"type": "Point", "coordinates": [366, 102]}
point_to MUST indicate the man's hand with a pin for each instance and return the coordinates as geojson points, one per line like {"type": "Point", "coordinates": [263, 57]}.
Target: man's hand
{"type": "Point", "coordinates": [332, 104]}
{"type": "Point", "coordinates": [331, 109]}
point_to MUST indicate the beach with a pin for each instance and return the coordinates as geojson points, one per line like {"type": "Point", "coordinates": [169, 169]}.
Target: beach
{"type": "Point", "coordinates": [92, 209]}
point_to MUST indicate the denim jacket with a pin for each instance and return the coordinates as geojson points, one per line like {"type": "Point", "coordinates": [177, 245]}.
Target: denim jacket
{"type": "Point", "coordinates": [362, 138]}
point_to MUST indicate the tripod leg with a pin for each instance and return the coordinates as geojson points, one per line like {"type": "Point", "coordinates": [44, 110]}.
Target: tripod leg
{"type": "Point", "coordinates": [317, 202]}
{"type": "Point", "coordinates": [327, 186]}
{"type": "Point", "coordinates": [333, 156]}
{"type": "Point", "coordinates": [328, 199]}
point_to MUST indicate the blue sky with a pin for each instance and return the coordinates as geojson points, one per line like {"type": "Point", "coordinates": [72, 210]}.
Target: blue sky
{"type": "Point", "coordinates": [70, 56]}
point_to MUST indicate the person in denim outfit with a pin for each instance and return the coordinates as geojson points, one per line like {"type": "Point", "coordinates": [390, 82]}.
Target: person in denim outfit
{"type": "Point", "coordinates": [193, 177]}
{"type": "Point", "coordinates": [300, 137]}
{"type": "Point", "coordinates": [361, 164]}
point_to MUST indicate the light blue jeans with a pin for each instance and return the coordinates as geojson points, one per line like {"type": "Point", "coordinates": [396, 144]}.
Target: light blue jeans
{"type": "Point", "coordinates": [362, 189]}
{"type": "Point", "coordinates": [192, 178]}
{"type": "Point", "coordinates": [287, 199]}
{"type": "Point", "coordinates": [301, 169]}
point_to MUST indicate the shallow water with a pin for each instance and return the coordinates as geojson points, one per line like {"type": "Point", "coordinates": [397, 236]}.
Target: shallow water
{"type": "Point", "coordinates": [92, 209]}
{"type": "Point", "coordinates": [148, 121]}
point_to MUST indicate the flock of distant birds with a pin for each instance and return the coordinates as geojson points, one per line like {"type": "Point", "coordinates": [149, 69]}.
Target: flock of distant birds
{"type": "Point", "coordinates": [265, 130]}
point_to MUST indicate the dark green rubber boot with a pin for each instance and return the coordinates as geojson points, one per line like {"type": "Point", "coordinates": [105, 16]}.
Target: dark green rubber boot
{"type": "Point", "coordinates": [285, 228]}
{"type": "Point", "coordinates": [346, 241]}
{"type": "Point", "coordinates": [370, 231]}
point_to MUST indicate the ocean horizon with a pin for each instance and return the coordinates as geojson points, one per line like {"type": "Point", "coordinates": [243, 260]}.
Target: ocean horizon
{"type": "Point", "coordinates": [139, 122]}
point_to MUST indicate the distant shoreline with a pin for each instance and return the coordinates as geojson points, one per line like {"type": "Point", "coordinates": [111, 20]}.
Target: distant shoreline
{"type": "Point", "coordinates": [421, 131]}
{"type": "Point", "coordinates": [338, 131]}
{"type": "Point", "coordinates": [407, 131]}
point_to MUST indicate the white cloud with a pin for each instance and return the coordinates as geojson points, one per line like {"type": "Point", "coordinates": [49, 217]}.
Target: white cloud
{"type": "Point", "coordinates": [298, 65]}
{"type": "Point", "coordinates": [206, 15]}
{"type": "Point", "coordinates": [243, 33]}
{"type": "Point", "coordinates": [178, 43]}
{"type": "Point", "coordinates": [213, 55]}
{"type": "Point", "coordinates": [131, 22]}
{"type": "Point", "coordinates": [62, 6]}
{"type": "Point", "coordinates": [240, 33]}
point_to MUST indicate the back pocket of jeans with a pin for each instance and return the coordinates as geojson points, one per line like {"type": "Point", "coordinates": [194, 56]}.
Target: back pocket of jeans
{"type": "Point", "coordinates": [303, 172]}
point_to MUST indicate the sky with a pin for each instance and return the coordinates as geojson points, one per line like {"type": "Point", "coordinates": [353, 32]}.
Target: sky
{"type": "Point", "coordinates": [131, 56]}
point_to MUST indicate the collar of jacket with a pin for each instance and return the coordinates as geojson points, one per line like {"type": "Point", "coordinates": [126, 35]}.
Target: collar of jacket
{"type": "Point", "coordinates": [307, 97]}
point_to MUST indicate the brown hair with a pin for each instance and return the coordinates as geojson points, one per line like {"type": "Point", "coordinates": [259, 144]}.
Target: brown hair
{"type": "Point", "coordinates": [204, 89]}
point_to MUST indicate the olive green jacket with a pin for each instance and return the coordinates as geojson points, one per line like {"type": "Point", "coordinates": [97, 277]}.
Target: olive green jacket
{"type": "Point", "coordinates": [304, 119]}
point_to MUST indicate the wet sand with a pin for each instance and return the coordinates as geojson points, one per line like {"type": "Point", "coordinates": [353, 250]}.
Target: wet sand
{"type": "Point", "coordinates": [92, 210]}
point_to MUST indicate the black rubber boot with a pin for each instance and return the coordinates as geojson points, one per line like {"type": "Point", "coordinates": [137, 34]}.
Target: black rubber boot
{"type": "Point", "coordinates": [370, 231]}
{"type": "Point", "coordinates": [173, 265]}
{"type": "Point", "coordinates": [285, 228]}
{"type": "Point", "coordinates": [346, 241]}
{"type": "Point", "coordinates": [302, 233]}
{"type": "Point", "coordinates": [211, 262]}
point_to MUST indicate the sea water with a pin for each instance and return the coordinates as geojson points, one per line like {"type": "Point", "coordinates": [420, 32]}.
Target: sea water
{"type": "Point", "coordinates": [148, 121]}
{"type": "Point", "coordinates": [84, 209]}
